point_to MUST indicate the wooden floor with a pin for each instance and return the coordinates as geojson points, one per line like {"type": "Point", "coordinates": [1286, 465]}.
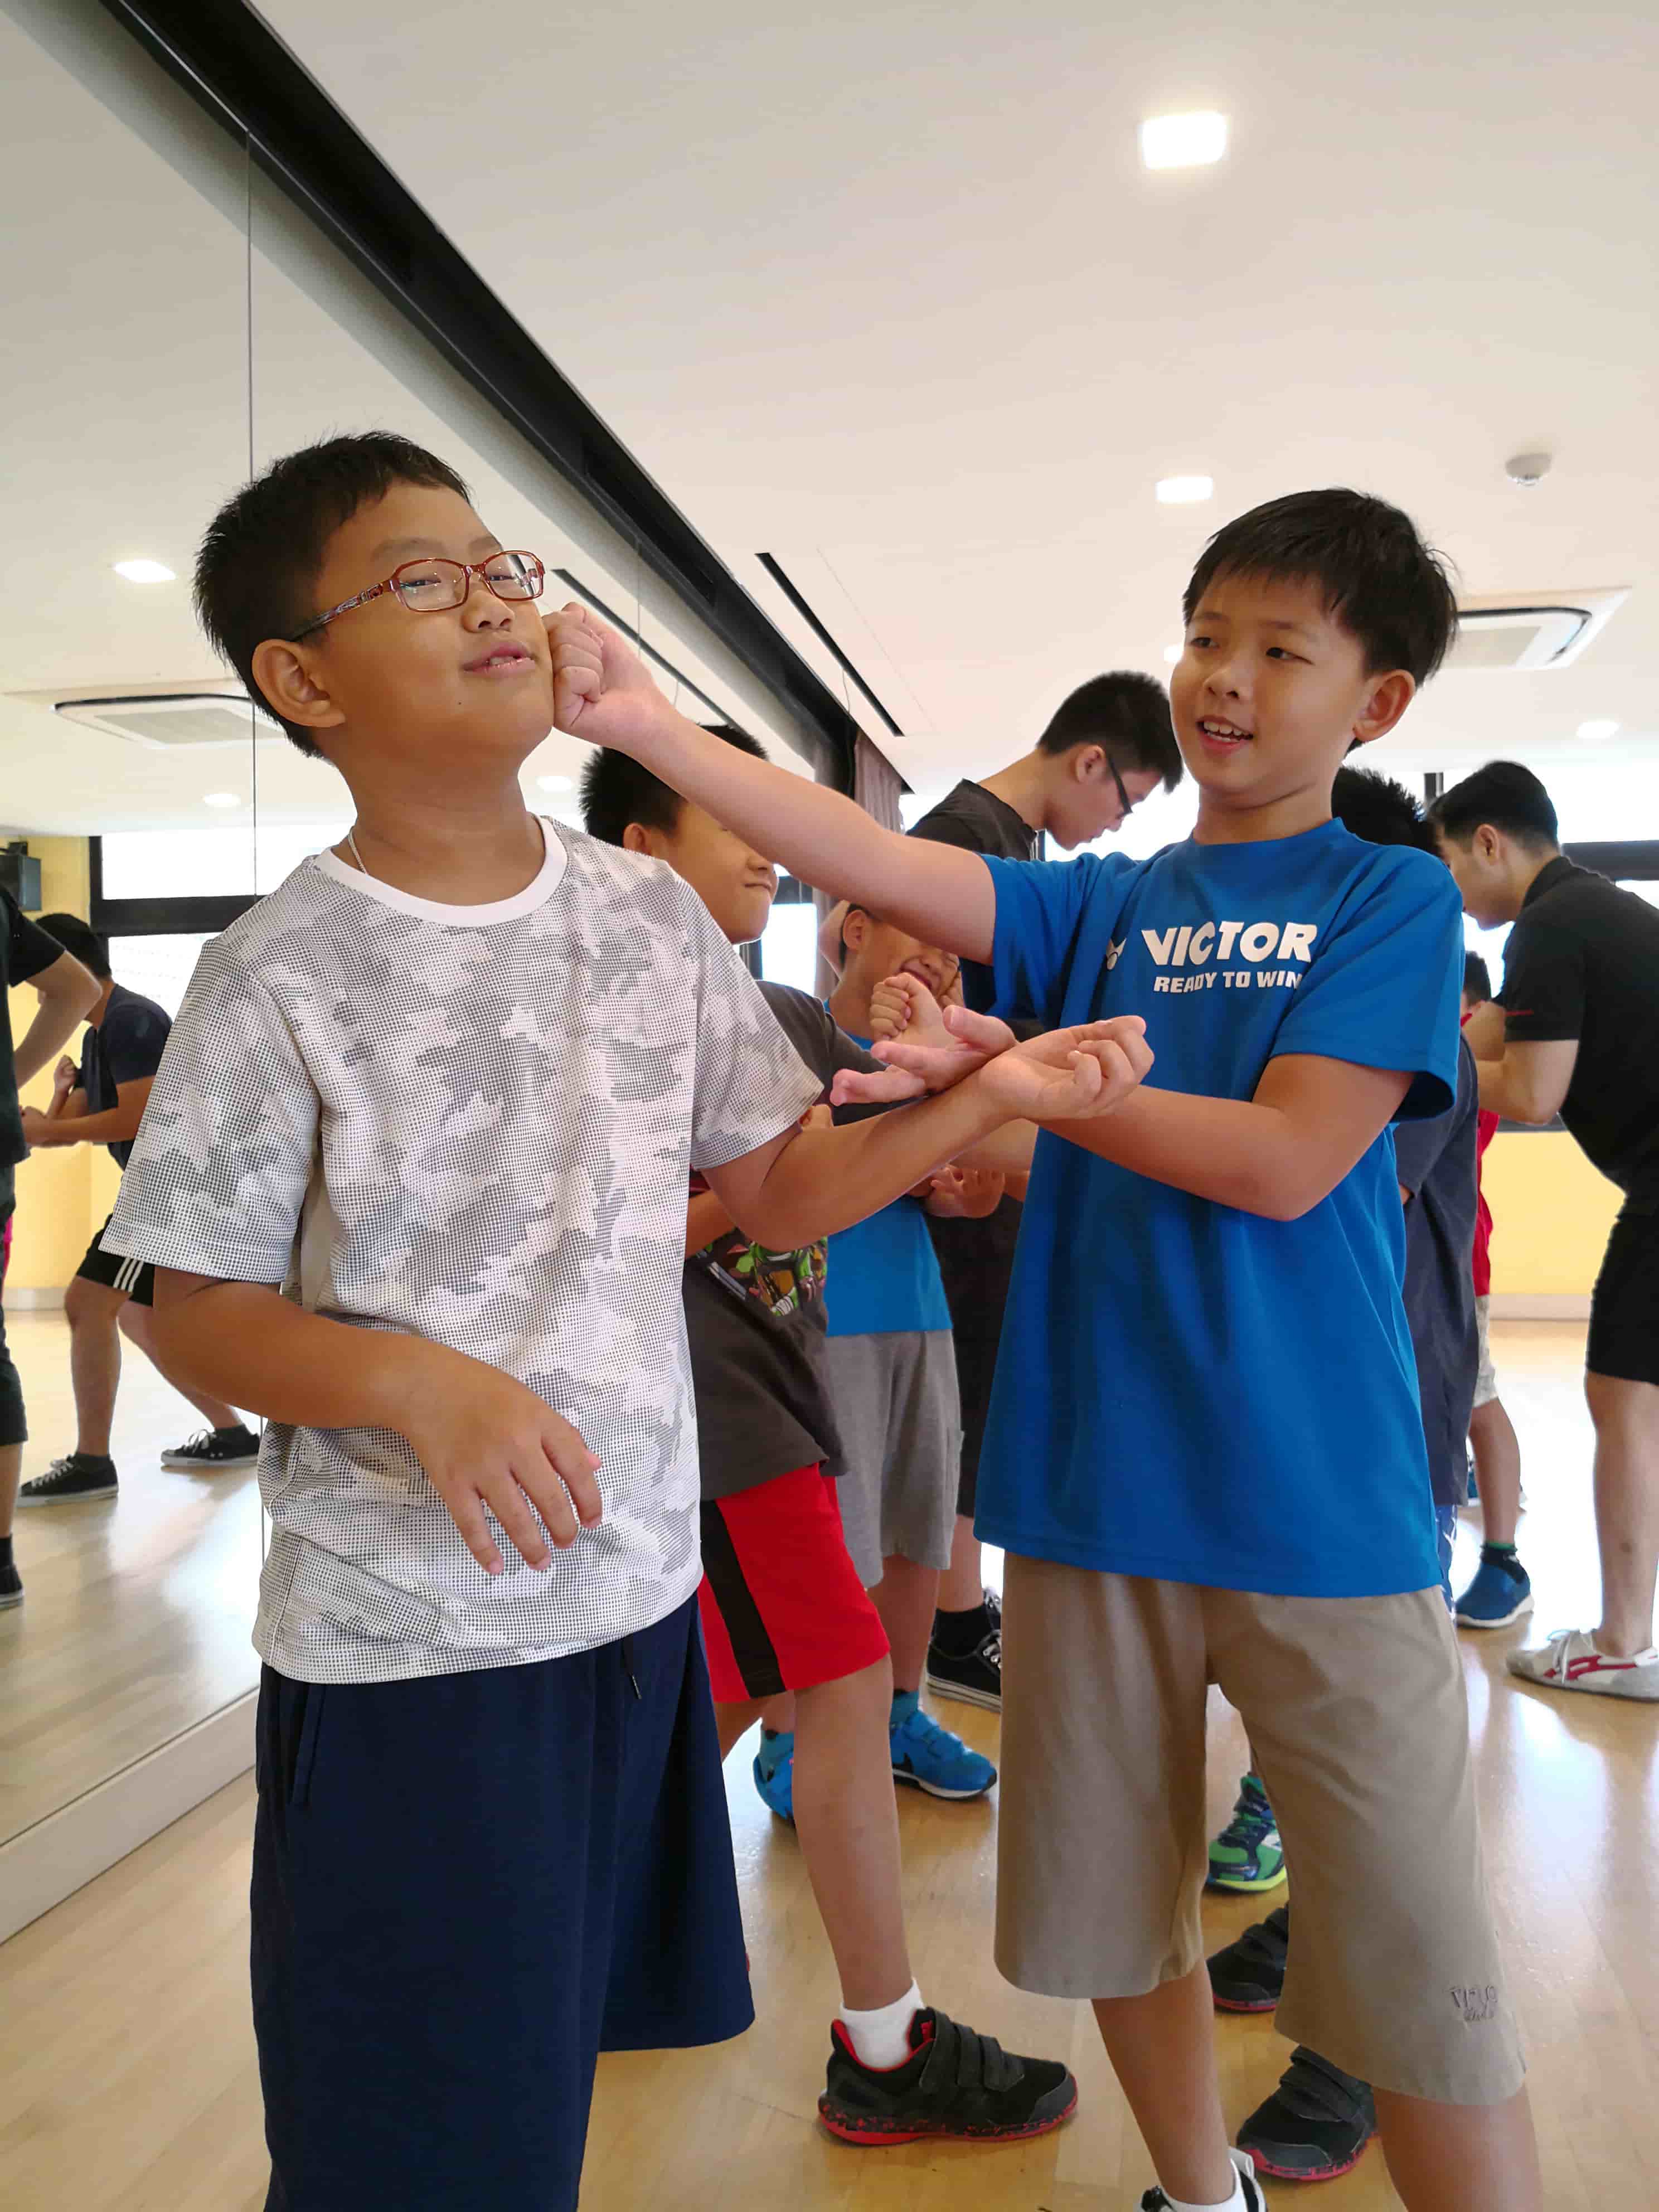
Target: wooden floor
{"type": "Point", "coordinates": [129, 2082]}
{"type": "Point", "coordinates": [136, 1609]}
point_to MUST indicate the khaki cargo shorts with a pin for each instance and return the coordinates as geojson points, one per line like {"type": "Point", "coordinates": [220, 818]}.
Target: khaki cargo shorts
{"type": "Point", "coordinates": [1359, 1728]}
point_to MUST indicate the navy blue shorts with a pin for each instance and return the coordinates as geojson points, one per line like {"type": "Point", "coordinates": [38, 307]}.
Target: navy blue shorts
{"type": "Point", "coordinates": [465, 1888]}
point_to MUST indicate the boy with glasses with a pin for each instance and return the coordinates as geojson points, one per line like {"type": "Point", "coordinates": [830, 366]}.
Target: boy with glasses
{"type": "Point", "coordinates": [413, 1179]}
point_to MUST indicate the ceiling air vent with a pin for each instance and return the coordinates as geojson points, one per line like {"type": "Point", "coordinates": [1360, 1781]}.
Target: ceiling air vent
{"type": "Point", "coordinates": [170, 721]}
{"type": "Point", "coordinates": [1524, 630]}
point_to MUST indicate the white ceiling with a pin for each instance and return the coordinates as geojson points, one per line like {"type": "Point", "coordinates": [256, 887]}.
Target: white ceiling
{"type": "Point", "coordinates": [887, 295]}
{"type": "Point", "coordinates": [883, 291]}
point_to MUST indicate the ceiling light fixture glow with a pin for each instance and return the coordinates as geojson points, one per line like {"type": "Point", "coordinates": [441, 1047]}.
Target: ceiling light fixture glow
{"type": "Point", "coordinates": [1184, 492]}
{"type": "Point", "coordinates": [1597, 732]}
{"type": "Point", "coordinates": [220, 799]}
{"type": "Point", "coordinates": [145, 572]}
{"type": "Point", "coordinates": [1184, 141]}
{"type": "Point", "coordinates": [556, 782]}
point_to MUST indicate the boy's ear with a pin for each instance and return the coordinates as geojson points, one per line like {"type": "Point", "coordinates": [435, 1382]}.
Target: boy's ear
{"type": "Point", "coordinates": [1385, 701]}
{"type": "Point", "coordinates": [1088, 763]}
{"type": "Point", "coordinates": [636, 838]}
{"type": "Point", "coordinates": [290, 683]}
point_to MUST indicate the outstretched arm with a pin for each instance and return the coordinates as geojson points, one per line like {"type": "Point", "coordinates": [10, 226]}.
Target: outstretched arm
{"type": "Point", "coordinates": [602, 693]}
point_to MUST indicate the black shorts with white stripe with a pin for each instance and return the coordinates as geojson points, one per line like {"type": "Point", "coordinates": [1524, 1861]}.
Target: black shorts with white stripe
{"type": "Point", "coordinates": [137, 1278]}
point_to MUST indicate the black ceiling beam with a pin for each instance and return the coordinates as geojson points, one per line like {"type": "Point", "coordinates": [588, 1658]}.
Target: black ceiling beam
{"type": "Point", "coordinates": [235, 67]}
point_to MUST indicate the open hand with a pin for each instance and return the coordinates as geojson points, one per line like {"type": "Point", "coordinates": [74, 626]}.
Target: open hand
{"type": "Point", "coordinates": [485, 1440]}
{"type": "Point", "coordinates": [1071, 1074]}
{"type": "Point", "coordinates": [602, 690]}
{"type": "Point", "coordinates": [966, 1042]}
{"type": "Point", "coordinates": [961, 1193]}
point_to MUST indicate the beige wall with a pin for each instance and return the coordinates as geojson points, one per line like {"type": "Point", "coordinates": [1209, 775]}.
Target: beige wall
{"type": "Point", "coordinates": [62, 1196]}
{"type": "Point", "coordinates": [1550, 1214]}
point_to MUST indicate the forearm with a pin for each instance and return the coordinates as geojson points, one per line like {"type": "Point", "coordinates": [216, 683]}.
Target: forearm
{"type": "Point", "coordinates": [1007, 1151]}
{"type": "Point", "coordinates": [60, 1015]}
{"type": "Point", "coordinates": [1504, 1091]}
{"type": "Point", "coordinates": [1235, 1152]}
{"type": "Point", "coordinates": [254, 1348]}
{"type": "Point", "coordinates": [705, 1219]}
{"type": "Point", "coordinates": [825, 1180]}
{"type": "Point", "coordinates": [118, 1125]}
{"type": "Point", "coordinates": [944, 896]}
{"type": "Point", "coordinates": [71, 1107]}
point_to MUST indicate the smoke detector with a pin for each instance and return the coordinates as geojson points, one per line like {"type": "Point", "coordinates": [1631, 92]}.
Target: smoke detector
{"type": "Point", "coordinates": [1528, 630]}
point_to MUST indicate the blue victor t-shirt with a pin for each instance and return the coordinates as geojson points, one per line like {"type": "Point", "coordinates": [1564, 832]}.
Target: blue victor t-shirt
{"type": "Point", "coordinates": [881, 1276]}
{"type": "Point", "coordinates": [1185, 1390]}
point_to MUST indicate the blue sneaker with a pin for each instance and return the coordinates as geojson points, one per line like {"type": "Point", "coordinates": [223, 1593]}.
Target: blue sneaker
{"type": "Point", "coordinates": [774, 1773]}
{"type": "Point", "coordinates": [928, 1757]}
{"type": "Point", "coordinates": [1247, 1856]}
{"type": "Point", "coordinates": [1501, 1592]}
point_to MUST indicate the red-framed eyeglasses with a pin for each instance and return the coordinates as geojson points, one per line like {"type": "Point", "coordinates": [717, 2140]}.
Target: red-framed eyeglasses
{"type": "Point", "coordinates": [428, 587]}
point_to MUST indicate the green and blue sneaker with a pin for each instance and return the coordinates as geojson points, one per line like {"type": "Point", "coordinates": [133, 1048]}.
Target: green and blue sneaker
{"type": "Point", "coordinates": [774, 1773]}
{"type": "Point", "coordinates": [1247, 1856]}
{"type": "Point", "coordinates": [928, 1757]}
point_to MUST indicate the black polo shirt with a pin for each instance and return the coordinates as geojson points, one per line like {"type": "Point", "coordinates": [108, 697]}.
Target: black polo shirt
{"type": "Point", "coordinates": [1582, 962]}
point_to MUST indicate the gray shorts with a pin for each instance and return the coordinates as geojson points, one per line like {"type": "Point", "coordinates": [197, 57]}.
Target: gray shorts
{"type": "Point", "coordinates": [900, 1430]}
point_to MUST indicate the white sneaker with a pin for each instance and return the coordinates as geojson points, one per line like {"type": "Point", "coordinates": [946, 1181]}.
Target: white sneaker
{"type": "Point", "coordinates": [1156, 2200]}
{"type": "Point", "coordinates": [1569, 1660]}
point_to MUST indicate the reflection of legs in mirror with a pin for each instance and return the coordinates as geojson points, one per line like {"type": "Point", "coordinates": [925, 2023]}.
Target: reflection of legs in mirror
{"type": "Point", "coordinates": [137, 1324]}
{"type": "Point", "coordinates": [93, 1312]}
{"type": "Point", "coordinates": [11, 1471]}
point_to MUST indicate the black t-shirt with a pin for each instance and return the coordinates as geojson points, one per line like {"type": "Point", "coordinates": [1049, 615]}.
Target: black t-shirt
{"type": "Point", "coordinates": [1437, 1163]}
{"type": "Point", "coordinates": [1583, 961]}
{"type": "Point", "coordinates": [755, 1319]}
{"type": "Point", "coordinates": [26, 949]}
{"type": "Point", "coordinates": [125, 1046]}
{"type": "Point", "coordinates": [976, 1258]}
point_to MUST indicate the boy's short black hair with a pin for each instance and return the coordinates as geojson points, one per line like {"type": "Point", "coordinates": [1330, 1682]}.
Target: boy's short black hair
{"type": "Point", "coordinates": [616, 790]}
{"type": "Point", "coordinates": [1126, 711]}
{"type": "Point", "coordinates": [1377, 809]}
{"type": "Point", "coordinates": [1504, 796]}
{"type": "Point", "coordinates": [1477, 978]}
{"type": "Point", "coordinates": [1379, 580]}
{"type": "Point", "coordinates": [89, 945]}
{"type": "Point", "coordinates": [264, 551]}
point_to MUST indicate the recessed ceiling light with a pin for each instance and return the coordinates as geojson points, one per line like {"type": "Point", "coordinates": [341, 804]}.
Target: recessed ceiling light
{"type": "Point", "coordinates": [220, 799]}
{"type": "Point", "coordinates": [1173, 653]}
{"type": "Point", "coordinates": [1184, 492]}
{"type": "Point", "coordinates": [145, 572]}
{"type": "Point", "coordinates": [1184, 141]}
{"type": "Point", "coordinates": [1593, 733]}
{"type": "Point", "coordinates": [556, 782]}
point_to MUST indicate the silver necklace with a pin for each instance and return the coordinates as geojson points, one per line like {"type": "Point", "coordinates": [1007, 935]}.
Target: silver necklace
{"type": "Point", "coordinates": [351, 842]}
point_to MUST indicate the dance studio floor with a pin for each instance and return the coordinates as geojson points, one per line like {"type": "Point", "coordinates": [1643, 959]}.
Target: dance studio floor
{"type": "Point", "coordinates": [129, 2078]}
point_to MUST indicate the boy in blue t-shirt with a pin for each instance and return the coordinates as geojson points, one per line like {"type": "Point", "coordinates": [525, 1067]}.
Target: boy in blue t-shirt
{"type": "Point", "coordinates": [1205, 1455]}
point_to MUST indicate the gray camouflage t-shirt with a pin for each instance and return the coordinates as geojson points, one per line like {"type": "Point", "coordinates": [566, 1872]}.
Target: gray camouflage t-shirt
{"type": "Point", "coordinates": [473, 1124]}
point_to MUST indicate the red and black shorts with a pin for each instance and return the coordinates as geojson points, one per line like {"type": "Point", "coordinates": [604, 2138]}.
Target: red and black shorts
{"type": "Point", "coordinates": [781, 1603]}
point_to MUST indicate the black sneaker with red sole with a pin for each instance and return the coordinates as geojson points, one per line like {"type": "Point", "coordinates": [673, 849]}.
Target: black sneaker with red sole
{"type": "Point", "coordinates": [954, 2084]}
{"type": "Point", "coordinates": [1316, 2124]}
{"type": "Point", "coordinates": [1249, 1974]}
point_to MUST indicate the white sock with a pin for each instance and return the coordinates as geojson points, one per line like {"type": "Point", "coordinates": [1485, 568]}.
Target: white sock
{"type": "Point", "coordinates": [882, 2038]}
{"type": "Point", "coordinates": [1238, 2202]}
